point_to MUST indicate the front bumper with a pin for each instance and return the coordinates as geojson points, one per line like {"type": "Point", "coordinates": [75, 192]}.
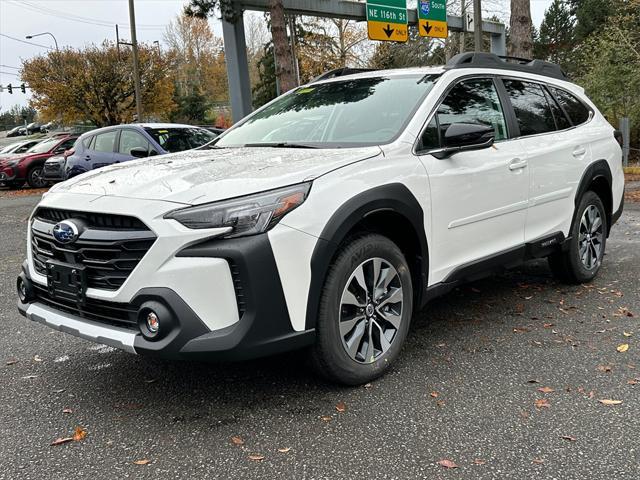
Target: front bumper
{"type": "Point", "coordinates": [263, 326]}
{"type": "Point", "coordinates": [7, 174]}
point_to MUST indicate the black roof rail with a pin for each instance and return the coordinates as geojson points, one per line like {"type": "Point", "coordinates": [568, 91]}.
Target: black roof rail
{"type": "Point", "coordinates": [490, 60]}
{"type": "Point", "coordinates": [340, 72]}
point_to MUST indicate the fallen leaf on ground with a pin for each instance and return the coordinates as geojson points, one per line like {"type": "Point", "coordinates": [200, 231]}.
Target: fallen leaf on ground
{"type": "Point", "coordinates": [537, 461]}
{"type": "Point", "coordinates": [627, 334]}
{"type": "Point", "coordinates": [144, 461]}
{"type": "Point", "coordinates": [256, 458]}
{"type": "Point", "coordinates": [60, 441]}
{"type": "Point", "coordinates": [79, 434]}
{"type": "Point", "coordinates": [568, 437]}
{"type": "Point", "coordinates": [546, 389]}
{"type": "Point", "coordinates": [37, 358]}
{"type": "Point", "coordinates": [633, 381]}
{"type": "Point", "coordinates": [284, 450]}
{"type": "Point", "coordinates": [447, 463]}
{"type": "Point", "coordinates": [237, 440]}
{"type": "Point", "coordinates": [67, 410]}
{"type": "Point", "coordinates": [440, 403]}
{"type": "Point", "coordinates": [548, 325]}
{"type": "Point", "coordinates": [479, 461]}
{"type": "Point", "coordinates": [434, 394]}
{"type": "Point", "coordinates": [623, 348]}
{"type": "Point", "coordinates": [326, 418]}
{"type": "Point", "coordinates": [521, 330]}
{"type": "Point", "coordinates": [542, 403]}
{"type": "Point", "coordinates": [606, 401]}
{"type": "Point", "coordinates": [12, 362]}
{"type": "Point", "coordinates": [341, 407]}
{"type": "Point", "coordinates": [604, 368]}
{"type": "Point", "coordinates": [367, 385]}
{"type": "Point", "coordinates": [29, 377]}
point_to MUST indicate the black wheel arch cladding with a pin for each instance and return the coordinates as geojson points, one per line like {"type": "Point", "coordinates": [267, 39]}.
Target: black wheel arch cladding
{"type": "Point", "coordinates": [394, 198]}
{"type": "Point", "coordinates": [597, 174]}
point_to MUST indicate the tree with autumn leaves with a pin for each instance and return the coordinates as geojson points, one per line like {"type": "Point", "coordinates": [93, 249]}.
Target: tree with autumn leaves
{"type": "Point", "coordinates": [95, 84]}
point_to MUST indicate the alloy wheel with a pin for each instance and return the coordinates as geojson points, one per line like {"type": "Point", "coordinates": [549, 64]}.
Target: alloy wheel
{"type": "Point", "coordinates": [37, 178]}
{"type": "Point", "coordinates": [590, 236]}
{"type": "Point", "coordinates": [371, 310]}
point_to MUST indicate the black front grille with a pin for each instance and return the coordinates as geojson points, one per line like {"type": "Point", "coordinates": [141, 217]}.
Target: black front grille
{"type": "Point", "coordinates": [100, 221]}
{"type": "Point", "coordinates": [118, 314]}
{"type": "Point", "coordinates": [109, 248]}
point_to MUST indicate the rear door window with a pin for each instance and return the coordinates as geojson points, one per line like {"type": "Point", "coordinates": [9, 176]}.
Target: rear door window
{"type": "Point", "coordinates": [104, 141]}
{"type": "Point", "coordinates": [130, 139]}
{"type": "Point", "coordinates": [577, 111]}
{"type": "Point", "coordinates": [531, 107]}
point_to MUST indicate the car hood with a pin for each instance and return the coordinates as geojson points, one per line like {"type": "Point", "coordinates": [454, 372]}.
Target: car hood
{"type": "Point", "coordinates": [200, 176]}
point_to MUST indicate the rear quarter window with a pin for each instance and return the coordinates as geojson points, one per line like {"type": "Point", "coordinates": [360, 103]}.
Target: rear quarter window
{"type": "Point", "coordinates": [578, 112]}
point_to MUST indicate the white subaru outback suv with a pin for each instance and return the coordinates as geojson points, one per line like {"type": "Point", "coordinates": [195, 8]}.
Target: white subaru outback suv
{"type": "Point", "coordinates": [329, 216]}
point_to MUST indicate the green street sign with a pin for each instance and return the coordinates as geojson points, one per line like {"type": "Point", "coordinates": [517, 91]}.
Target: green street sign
{"type": "Point", "coordinates": [432, 18]}
{"type": "Point", "coordinates": [387, 20]}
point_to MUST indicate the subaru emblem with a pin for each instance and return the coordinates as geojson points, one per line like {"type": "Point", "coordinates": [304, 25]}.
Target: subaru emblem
{"type": "Point", "coordinates": [66, 232]}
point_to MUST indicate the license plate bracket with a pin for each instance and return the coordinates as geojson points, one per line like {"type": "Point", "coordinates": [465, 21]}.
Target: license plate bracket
{"type": "Point", "coordinates": [66, 281]}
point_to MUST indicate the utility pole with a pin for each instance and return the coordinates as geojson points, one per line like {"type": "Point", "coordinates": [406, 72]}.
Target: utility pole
{"type": "Point", "coordinates": [463, 14]}
{"type": "Point", "coordinates": [136, 66]}
{"type": "Point", "coordinates": [477, 27]}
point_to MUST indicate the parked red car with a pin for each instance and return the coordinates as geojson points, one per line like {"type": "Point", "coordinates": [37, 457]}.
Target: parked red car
{"type": "Point", "coordinates": [28, 166]}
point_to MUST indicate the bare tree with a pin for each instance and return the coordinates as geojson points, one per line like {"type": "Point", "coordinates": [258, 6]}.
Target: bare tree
{"type": "Point", "coordinates": [521, 29]}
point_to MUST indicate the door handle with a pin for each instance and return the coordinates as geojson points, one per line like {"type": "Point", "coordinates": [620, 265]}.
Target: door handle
{"type": "Point", "coordinates": [517, 164]}
{"type": "Point", "coordinates": [580, 151]}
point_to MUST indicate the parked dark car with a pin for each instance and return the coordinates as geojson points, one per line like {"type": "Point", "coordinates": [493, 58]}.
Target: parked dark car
{"type": "Point", "coordinates": [28, 166]}
{"type": "Point", "coordinates": [15, 131]}
{"type": "Point", "coordinates": [33, 127]}
{"type": "Point", "coordinates": [18, 147]}
{"type": "Point", "coordinates": [105, 146]}
{"type": "Point", "coordinates": [47, 127]}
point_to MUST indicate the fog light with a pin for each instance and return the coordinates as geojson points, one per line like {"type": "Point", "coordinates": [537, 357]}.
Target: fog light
{"type": "Point", "coordinates": [25, 291]}
{"type": "Point", "coordinates": [153, 323]}
{"type": "Point", "coordinates": [22, 290]}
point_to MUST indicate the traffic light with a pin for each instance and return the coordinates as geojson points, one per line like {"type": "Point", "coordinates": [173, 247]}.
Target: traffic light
{"type": "Point", "coordinates": [23, 89]}
{"type": "Point", "coordinates": [10, 89]}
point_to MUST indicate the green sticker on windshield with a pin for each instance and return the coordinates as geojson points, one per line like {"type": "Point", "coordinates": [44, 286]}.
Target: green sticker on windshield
{"type": "Point", "coordinates": [306, 90]}
{"type": "Point", "coordinates": [162, 131]}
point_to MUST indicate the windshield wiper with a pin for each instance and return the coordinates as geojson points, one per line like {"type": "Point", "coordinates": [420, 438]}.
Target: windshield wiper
{"type": "Point", "coordinates": [280, 145]}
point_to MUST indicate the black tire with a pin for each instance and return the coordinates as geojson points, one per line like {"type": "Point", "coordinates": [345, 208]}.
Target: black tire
{"type": "Point", "coordinates": [568, 266]}
{"type": "Point", "coordinates": [329, 356]}
{"type": "Point", "coordinates": [35, 177]}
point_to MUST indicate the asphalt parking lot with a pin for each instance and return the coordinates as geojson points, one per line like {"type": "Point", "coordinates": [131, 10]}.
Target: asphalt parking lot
{"type": "Point", "coordinates": [503, 377]}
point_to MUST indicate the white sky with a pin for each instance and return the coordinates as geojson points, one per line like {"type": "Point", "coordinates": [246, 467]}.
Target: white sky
{"type": "Point", "coordinates": [79, 22]}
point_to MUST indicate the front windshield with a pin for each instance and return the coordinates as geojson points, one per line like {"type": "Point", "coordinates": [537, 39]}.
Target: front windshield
{"type": "Point", "coordinates": [180, 139]}
{"type": "Point", "coordinates": [44, 146]}
{"type": "Point", "coordinates": [343, 113]}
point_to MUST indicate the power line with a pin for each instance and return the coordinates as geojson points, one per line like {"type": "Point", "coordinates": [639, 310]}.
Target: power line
{"type": "Point", "coordinates": [24, 41]}
{"type": "Point", "coordinates": [78, 18]}
{"type": "Point", "coordinates": [10, 73]}
{"type": "Point", "coordinates": [9, 66]}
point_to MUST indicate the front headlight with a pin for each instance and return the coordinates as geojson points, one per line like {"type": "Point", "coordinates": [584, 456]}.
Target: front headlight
{"type": "Point", "coordinates": [247, 215]}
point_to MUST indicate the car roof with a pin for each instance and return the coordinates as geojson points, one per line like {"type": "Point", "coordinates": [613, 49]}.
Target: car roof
{"type": "Point", "coordinates": [138, 126]}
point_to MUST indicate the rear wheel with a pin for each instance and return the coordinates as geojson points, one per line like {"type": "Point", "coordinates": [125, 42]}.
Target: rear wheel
{"type": "Point", "coordinates": [581, 262]}
{"type": "Point", "coordinates": [364, 313]}
{"type": "Point", "coordinates": [35, 177]}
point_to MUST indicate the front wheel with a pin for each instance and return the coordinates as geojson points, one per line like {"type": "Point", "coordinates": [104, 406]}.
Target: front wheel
{"type": "Point", "coordinates": [35, 177]}
{"type": "Point", "coordinates": [365, 311]}
{"type": "Point", "coordinates": [581, 262]}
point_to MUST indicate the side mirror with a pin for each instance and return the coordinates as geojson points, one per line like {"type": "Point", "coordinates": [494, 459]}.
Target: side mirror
{"type": "Point", "coordinates": [460, 137]}
{"type": "Point", "coordinates": [139, 152]}
{"type": "Point", "coordinates": [153, 153]}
